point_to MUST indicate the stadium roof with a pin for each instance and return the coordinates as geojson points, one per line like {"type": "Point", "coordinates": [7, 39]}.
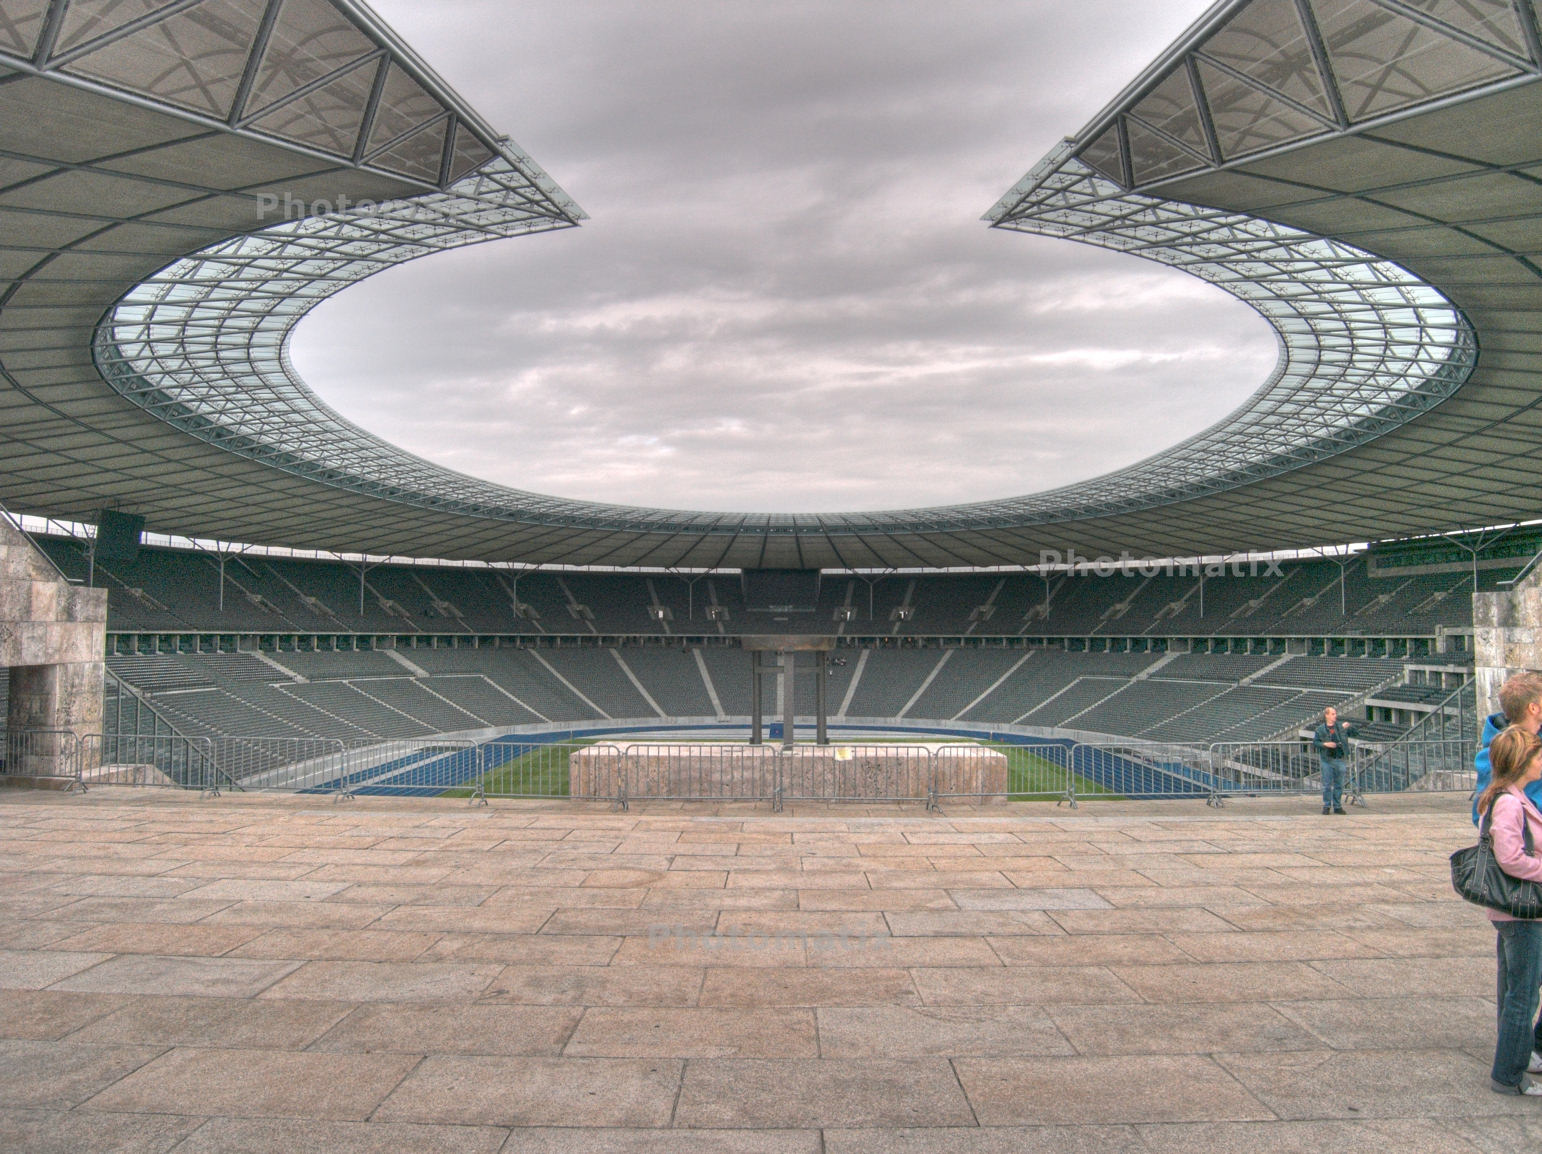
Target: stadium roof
{"type": "Point", "coordinates": [181, 181]}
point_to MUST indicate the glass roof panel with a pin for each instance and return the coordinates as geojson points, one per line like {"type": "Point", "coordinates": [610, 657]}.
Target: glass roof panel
{"type": "Point", "coordinates": [20, 23]}
{"type": "Point", "coordinates": [470, 153]}
{"type": "Point", "coordinates": [1385, 61]}
{"type": "Point", "coordinates": [1153, 156]}
{"type": "Point", "coordinates": [404, 105]}
{"type": "Point", "coordinates": [310, 39]}
{"type": "Point", "coordinates": [1493, 21]}
{"type": "Point", "coordinates": [193, 59]}
{"type": "Point", "coordinates": [88, 19]}
{"type": "Point", "coordinates": [328, 118]}
{"type": "Point", "coordinates": [1171, 107]}
{"type": "Point", "coordinates": [419, 155]}
{"type": "Point", "coordinates": [1104, 155]}
{"type": "Point", "coordinates": [1248, 119]}
{"type": "Point", "coordinates": [1266, 42]}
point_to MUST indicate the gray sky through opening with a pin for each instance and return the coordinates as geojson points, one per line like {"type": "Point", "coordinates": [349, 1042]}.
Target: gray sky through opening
{"type": "Point", "coordinates": [785, 299]}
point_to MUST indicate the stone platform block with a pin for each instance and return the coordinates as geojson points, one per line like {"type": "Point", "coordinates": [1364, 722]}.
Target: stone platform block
{"type": "Point", "coordinates": [753, 772]}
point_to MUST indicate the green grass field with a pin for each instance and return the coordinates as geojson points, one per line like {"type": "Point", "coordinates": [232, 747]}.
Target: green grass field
{"type": "Point", "coordinates": [543, 772]}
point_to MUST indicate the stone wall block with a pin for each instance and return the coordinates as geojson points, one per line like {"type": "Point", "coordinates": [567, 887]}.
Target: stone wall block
{"type": "Point", "coordinates": [15, 565]}
{"type": "Point", "coordinates": [29, 646]}
{"type": "Point", "coordinates": [1521, 608]}
{"type": "Point", "coordinates": [15, 599]}
{"type": "Point", "coordinates": [82, 604]}
{"type": "Point", "coordinates": [78, 696]}
{"type": "Point", "coordinates": [19, 560]}
{"type": "Point", "coordinates": [45, 600]}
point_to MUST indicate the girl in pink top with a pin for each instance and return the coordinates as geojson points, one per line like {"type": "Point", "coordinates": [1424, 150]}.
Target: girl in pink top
{"type": "Point", "coordinates": [1516, 755]}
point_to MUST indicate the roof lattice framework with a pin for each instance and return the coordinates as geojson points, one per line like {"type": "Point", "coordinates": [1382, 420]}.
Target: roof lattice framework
{"type": "Point", "coordinates": [1362, 172]}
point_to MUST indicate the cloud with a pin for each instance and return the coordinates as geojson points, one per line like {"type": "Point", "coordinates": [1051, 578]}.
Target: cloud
{"type": "Point", "coordinates": [785, 300]}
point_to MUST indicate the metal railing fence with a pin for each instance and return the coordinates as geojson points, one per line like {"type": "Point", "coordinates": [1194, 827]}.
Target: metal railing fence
{"type": "Point", "coordinates": [857, 773]}
{"type": "Point", "coordinates": [167, 759]}
{"type": "Point", "coordinates": [1146, 769]}
{"type": "Point", "coordinates": [684, 771]}
{"type": "Point", "coordinates": [999, 766]}
{"type": "Point", "coordinates": [1255, 768]}
{"type": "Point", "coordinates": [1036, 769]}
{"type": "Point", "coordinates": [403, 767]}
{"type": "Point", "coordinates": [47, 753]}
{"type": "Point", "coordinates": [1434, 766]}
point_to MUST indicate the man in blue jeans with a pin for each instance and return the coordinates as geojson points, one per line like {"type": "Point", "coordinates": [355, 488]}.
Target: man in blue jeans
{"type": "Point", "coordinates": [1331, 740]}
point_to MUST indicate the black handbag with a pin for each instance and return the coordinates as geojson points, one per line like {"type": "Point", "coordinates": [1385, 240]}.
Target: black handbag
{"type": "Point", "coordinates": [1475, 874]}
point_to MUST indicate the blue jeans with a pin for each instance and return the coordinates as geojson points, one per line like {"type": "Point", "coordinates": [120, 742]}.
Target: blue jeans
{"type": "Point", "coordinates": [1520, 974]}
{"type": "Point", "coordinates": [1332, 780]}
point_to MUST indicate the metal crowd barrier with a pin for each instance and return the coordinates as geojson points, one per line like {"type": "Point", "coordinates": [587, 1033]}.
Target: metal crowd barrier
{"type": "Point", "coordinates": [300, 764]}
{"type": "Point", "coordinates": [686, 772]}
{"type": "Point", "coordinates": [164, 760]}
{"type": "Point", "coordinates": [1036, 769]}
{"type": "Point", "coordinates": [535, 766]}
{"type": "Point", "coordinates": [51, 753]}
{"type": "Point", "coordinates": [1147, 769]}
{"type": "Point", "coordinates": [1292, 767]}
{"type": "Point", "coordinates": [864, 773]}
{"type": "Point", "coordinates": [1434, 766]}
{"type": "Point", "coordinates": [516, 766]}
{"type": "Point", "coordinates": [1256, 768]}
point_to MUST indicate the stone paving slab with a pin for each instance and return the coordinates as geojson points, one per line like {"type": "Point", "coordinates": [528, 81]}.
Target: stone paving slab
{"type": "Point", "coordinates": [96, 1132]}
{"type": "Point", "coordinates": [232, 1023]}
{"type": "Point", "coordinates": [41, 1015]}
{"type": "Point", "coordinates": [38, 969]}
{"type": "Point", "coordinates": [63, 1074]}
{"type": "Point", "coordinates": [310, 1136]}
{"type": "Point", "coordinates": [1129, 1088]}
{"type": "Point", "coordinates": [537, 1092]}
{"type": "Point", "coordinates": [190, 976]}
{"type": "Point", "coordinates": [939, 1031]}
{"type": "Point", "coordinates": [622, 1141]}
{"type": "Point", "coordinates": [449, 1029]}
{"type": "Point", "coordinates": [695, 1032]}
{"type": "Point", "coordinates": [259, 973]}
{"type": "Point", "coordinates": [775, 1094]}
{"type": "Point", "coordinates": [258, 1083]}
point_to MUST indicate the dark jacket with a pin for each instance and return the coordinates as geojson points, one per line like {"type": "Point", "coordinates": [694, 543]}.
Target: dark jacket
{"type": "Point", "coordinates": [1341, 732]}
{"type": "Point", "coordinates": [1492, 727]}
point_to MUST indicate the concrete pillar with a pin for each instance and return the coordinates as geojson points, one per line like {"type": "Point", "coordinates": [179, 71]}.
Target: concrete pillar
{"type": "Point", "coordinates": [52, 639]}
{"type": "Point", "coordinates": [1507, 636]}
{"type": "Point", "coordinates": [789, 696]}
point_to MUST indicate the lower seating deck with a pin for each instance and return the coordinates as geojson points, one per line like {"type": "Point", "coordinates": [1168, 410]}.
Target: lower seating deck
{"type": "Point", "coordinates": [1194, 698]}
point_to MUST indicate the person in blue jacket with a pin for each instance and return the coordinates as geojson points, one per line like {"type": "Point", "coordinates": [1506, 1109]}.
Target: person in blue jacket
{"type": "Point", "coordinates": [1520, 703]}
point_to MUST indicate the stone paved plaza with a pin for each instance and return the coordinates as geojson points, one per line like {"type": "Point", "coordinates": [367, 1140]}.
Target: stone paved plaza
{"type": "Point", "coordinates": [288, 974]}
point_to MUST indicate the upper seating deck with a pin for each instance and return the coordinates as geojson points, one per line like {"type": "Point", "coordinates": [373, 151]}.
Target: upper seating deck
{"type": "Point", "coordinates": [175, 591]}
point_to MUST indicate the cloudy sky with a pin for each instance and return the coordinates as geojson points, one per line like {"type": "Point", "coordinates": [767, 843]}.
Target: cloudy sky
{"type": "Point", "coordinates": [785, 298]}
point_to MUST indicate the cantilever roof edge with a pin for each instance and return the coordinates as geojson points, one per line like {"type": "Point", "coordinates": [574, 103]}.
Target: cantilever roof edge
{"type": "Point", "coordinates": [1365, 325]}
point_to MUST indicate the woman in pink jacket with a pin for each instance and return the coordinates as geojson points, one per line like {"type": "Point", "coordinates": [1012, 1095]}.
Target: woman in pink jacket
{"type": "Point", "coordinates": [1517, 760]}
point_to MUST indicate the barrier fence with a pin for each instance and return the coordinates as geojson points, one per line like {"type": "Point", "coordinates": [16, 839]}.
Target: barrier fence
{"type": "Point", "coordinates": [151, 760]}
{"type": "Point", "coordinates": [49, 753]}
{"type": "Point", "coordinates": [682, 771]}
{"type": "Point", "coordinates": [997, 767]}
